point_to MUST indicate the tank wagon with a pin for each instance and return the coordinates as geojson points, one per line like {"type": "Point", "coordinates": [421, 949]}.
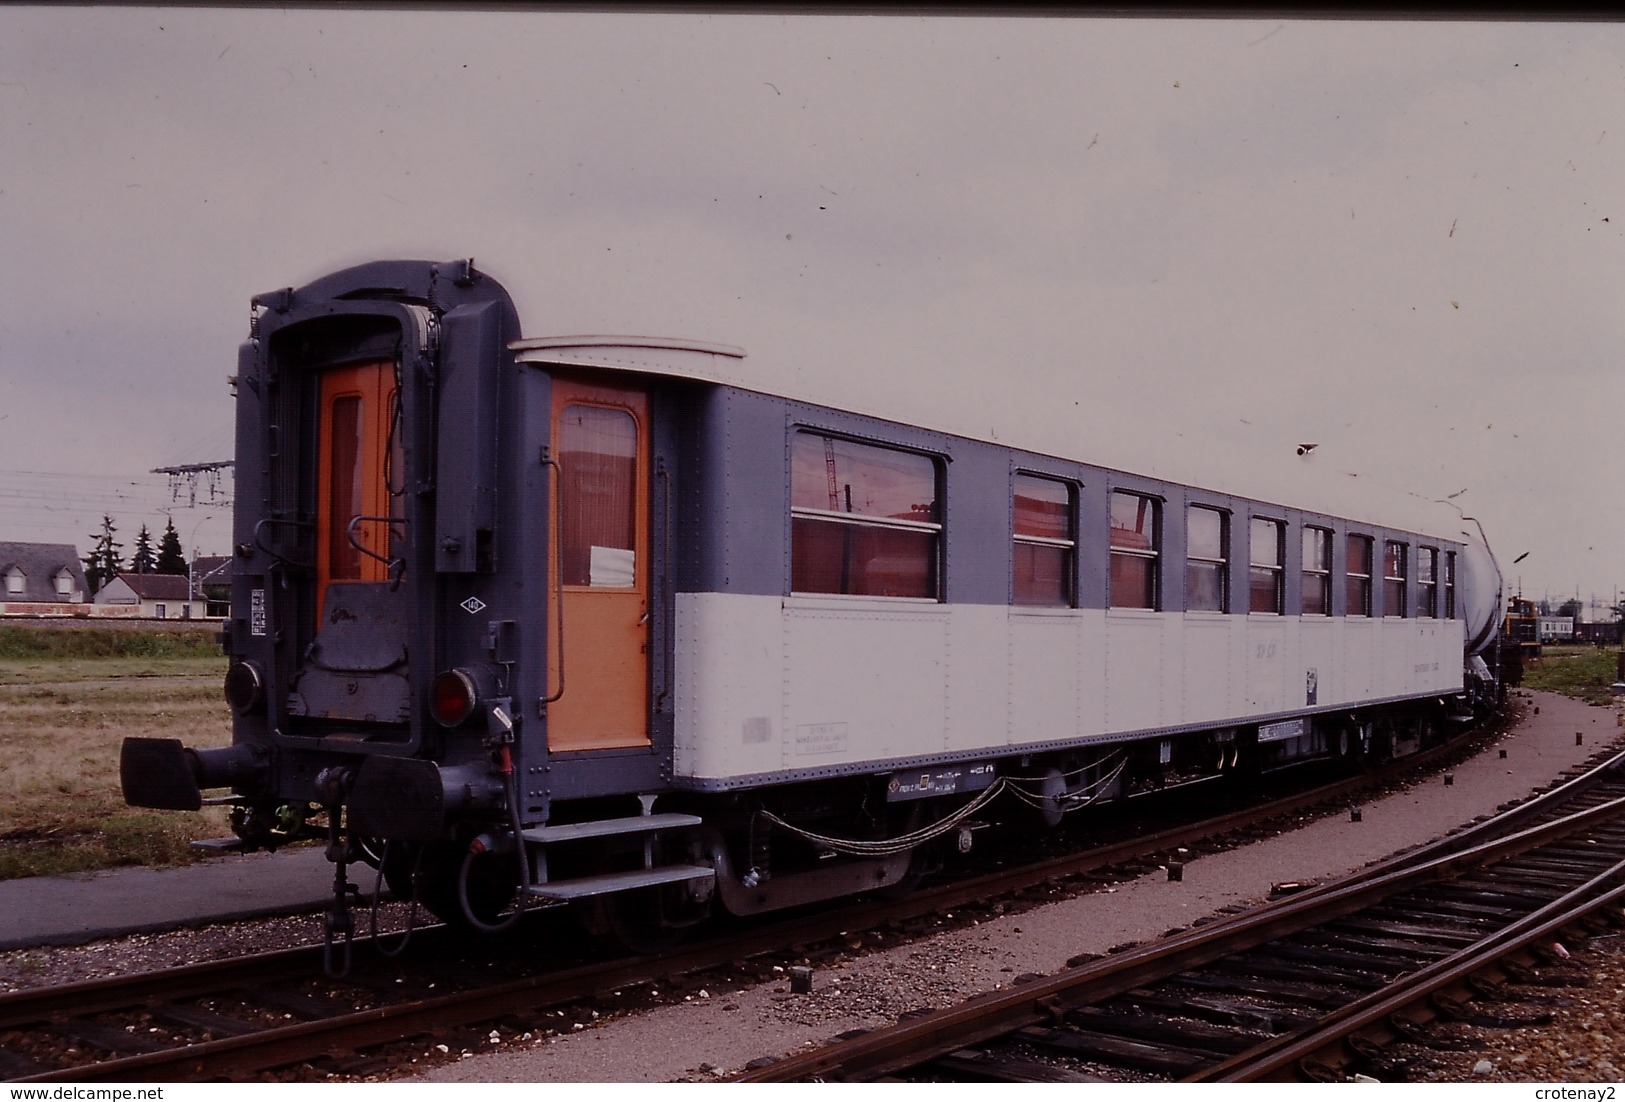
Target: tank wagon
{"type": "Point", "coordinates": [579, 620]}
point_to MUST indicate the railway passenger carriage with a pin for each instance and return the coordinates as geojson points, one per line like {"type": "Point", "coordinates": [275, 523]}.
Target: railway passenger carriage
{"type": "Point", "coordinates": [586, 619]}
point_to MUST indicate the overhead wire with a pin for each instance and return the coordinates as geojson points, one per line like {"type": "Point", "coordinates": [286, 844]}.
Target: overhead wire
{"type": "Point", "coordinates": [43, 505]}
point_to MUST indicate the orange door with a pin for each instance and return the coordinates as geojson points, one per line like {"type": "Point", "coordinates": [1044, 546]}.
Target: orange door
{"type": "Point", "coordinates": [353, 459]}
{"type": "Point", "coordinates": [599, 636]}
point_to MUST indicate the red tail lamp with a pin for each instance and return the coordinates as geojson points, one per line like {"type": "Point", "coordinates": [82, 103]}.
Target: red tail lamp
{"type": "Point", "coordinates": [453, 698]}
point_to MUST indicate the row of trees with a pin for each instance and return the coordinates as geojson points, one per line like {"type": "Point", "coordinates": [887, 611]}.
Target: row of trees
{"type": "Point", "coordinates": [106, 559]}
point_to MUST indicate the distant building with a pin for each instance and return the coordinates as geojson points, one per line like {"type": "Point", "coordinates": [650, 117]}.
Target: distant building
{"type": "Point", "coordinates": [156, 596]}
{"type": "Point", "coordinates": [41, 579]}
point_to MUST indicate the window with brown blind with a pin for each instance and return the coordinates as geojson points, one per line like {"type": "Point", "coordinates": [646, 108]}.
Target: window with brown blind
{"type": "Point", "coordinates": [864, 519]}
{"type": "Point", "coordinates": [1266, 569]}
{"type": "Point", "coordinates": [1317, 571]}
{"type": "Point", "coordinates": [1135, 550]}
{"type": "Point", "coordinates": [1043, 520]}
{"type": "Point", "coordinates": [1358, 576]}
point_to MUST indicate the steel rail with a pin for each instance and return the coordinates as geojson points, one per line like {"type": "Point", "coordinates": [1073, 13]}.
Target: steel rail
{"type": "Point", "coordinates": [889, 1051]}
{"type": "Point", "coordinates": [1289, 1050]}
{"type": "Point", "coordinates": [305, 1040]}
{"type": "Point", "coordinates": [1529, 811]}
{"type": "Point", "coordinates": [20, 1008]}
{"type": "Point", "coordinates": [308, 1040]}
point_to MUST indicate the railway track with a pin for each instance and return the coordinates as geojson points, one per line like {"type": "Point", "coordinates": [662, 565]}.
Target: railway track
{"type": "Point", "coordinates": [1310, 987]}
{"type": "Point", "coordinates": [231, 1019]}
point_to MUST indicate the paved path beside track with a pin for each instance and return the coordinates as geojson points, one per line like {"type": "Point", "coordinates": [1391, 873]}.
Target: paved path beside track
{"type": "Point", "coordinates": [83, 907]}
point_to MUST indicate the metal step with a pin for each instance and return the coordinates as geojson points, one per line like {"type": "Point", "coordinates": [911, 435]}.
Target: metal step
{"type": "Point", "coordinates": [604, 828]}
{"type": "Point", "coordinates": [606, 883]}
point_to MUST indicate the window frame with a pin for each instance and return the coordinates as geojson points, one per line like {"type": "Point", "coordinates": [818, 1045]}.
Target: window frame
{"type": "Point", "coordinates": [16, 581]}
{"type": "Point", "coordinates": [1353, 577]}
{"type": "Point", "coordinates": [1068, 545]}
{"type": "Point", "coordinates": [1152, 556]}
{"type": "Point", "coordinates": [1320, 579]}
{"type": "Point", "coordinates": [935, 529]}
{"type": "Point", "coordinates": [1427, 582]}
{"type": "Point", "coordinates": [1277, 568]}
{"type": "Point", "coordinates": [1449, 585]}
{"type": "Point", "coordinates": [1395, 585]}
{"type": "Point", "coordinates": [1222, 562]}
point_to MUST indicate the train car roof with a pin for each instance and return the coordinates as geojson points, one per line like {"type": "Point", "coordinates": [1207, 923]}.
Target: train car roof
{"type": "Point", "coordinates": [1289, 476]}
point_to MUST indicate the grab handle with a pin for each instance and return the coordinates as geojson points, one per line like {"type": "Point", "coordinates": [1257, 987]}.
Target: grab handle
{"type": "Point", "coordinates": [556, 498]}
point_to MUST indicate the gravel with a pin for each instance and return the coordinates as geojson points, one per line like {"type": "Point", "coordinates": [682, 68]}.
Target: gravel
{"type": "Point", "coordinates": [49, 965]}
{"type": "Point", "coordinates": [700, 1039]}
{"type": "Point", "coordinates": [1583, 1042]}
{"type": "Point", "coordinates": [707, 1028]}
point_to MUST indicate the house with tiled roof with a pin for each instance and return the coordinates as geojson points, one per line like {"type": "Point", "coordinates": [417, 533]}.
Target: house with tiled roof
{"type": "Point", "coordinates": [40, 579]}
{"type": "Point", "coordinates": [157, 596]}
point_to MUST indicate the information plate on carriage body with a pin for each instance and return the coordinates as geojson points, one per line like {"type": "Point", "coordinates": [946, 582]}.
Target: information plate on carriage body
{"type": "Point", "coordinates": [1275, 732]}
{"type": "Point", "coordinates": [916, 784]}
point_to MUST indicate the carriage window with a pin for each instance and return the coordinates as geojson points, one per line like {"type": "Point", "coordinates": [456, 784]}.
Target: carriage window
{"type": "Point", "coordinates": [1317, 572]}
{"type": "Point", "coordinates": [1207, 562]}
{"type": "Point", "coordinates": [863, 518]}
{"type": "Point", "coordinates": [1427, 581]}
{"type": "Point", "coordinates": [1136, 544]}
{"type": "Point", "coordinates": [598, 496]}
{"type": "Point", "coordinates": [1393, 578]}
{"type": "Point", "coordinates": [1359, 575]}
{"type": "Point", "coordinates": [1267, 566]}
{"type": "Point", "coordinates": [1042, 527]}
{"type": "Point", "coordinates": [1449, 585]}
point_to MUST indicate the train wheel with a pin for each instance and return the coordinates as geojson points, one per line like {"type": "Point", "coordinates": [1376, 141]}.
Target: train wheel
{"type": "Point", "coordinates": [926, 860]}
{"type": "Point", "coordinates": [491, 884]}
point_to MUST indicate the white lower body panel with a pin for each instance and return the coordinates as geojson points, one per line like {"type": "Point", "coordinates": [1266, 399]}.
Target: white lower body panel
{"type": "Point", "coordinates": [808, 686]}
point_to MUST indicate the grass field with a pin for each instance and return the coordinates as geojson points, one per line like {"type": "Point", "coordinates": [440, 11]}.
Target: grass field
{"type": "Point", "coordinates": [68, 639]}
{"type": "Point", "coordinates": [1578, 671]}
{"type": "Point", "coordinates": [67, 700]}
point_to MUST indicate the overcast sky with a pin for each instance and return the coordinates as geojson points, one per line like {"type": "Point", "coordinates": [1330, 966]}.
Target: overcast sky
{"type": "Point", "coordinates": [1401, 241]}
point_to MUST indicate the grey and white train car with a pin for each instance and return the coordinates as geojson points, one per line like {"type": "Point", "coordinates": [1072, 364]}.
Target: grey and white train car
{"type": "Point", "coordinates": [594, 619]}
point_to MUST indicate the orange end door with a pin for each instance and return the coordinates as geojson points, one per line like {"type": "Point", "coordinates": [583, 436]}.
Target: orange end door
{"type": "Point", "coordinates": [599, 637]}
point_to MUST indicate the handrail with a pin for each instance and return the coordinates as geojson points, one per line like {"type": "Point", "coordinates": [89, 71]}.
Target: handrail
{"type": "Point", "coordinates": [556, 503]}
{"type": "Point", "coordinates": [350, 534]}
{"type": "Point", "coordinates": [659, 572]}
{"type": "Point", "coordinates": [259, 544]}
